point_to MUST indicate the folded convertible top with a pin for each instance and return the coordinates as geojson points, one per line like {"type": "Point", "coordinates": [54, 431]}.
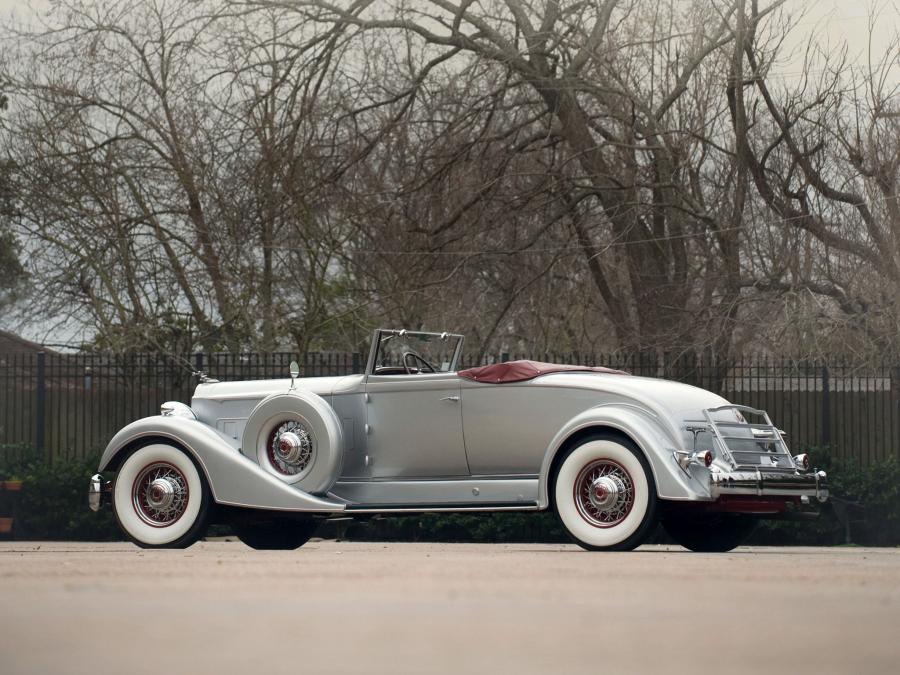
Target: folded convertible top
{"type": "Point", "coordinates": [520, 371]}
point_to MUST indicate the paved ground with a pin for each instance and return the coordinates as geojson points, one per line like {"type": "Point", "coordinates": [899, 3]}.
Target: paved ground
{"type": "Point", "coordinates": [421, 608]}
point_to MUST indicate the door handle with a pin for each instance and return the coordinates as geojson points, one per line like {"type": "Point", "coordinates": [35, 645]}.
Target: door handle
{"type": "Point", "coordinates": [450, 398]}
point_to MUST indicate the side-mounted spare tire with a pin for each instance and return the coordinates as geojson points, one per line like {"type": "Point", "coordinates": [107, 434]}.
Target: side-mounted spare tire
{"type": "Point", "coordinates": [298, 437]}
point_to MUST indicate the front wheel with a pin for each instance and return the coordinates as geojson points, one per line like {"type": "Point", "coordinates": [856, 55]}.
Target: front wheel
{"type": "Point", "coordinates": [710, 532]}
{"type": "Point", "coordinates": [277, 534]}
{"type": "Point", "coordinates": [160, 498]}
{"type": "Point", "coordinates": [604, 494]}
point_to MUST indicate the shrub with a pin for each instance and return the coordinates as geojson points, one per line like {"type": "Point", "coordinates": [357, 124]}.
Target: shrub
{"type": "Point", "coordinates": [53, 501]}
{"type": "Point", "coordinates": [868, 495]}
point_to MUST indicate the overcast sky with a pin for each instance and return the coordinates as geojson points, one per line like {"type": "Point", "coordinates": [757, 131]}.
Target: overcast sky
{"type": "Point", "coordinates": [831, 21]}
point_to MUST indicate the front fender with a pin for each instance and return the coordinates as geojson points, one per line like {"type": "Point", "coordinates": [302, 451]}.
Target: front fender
{"type": "Point", "coordinates": [656, 438]}
{"type": "Point", "coordinates": [234, 479]}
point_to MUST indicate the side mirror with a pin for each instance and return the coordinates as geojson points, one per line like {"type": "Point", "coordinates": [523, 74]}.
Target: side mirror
{"type": "Point", "coordinates": [295, 372]}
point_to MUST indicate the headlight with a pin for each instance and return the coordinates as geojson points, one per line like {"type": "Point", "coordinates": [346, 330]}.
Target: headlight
{"type": "Point", "coordinates": [176, 409]}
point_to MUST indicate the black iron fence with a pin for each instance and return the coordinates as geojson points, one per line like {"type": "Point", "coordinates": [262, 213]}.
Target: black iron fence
{"type": "Point", "coordinates": [70, 404]}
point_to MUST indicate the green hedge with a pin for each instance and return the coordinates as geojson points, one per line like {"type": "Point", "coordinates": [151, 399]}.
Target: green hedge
{"type": "Point", "coordinates": [869, 496]}
{"type": "Point", "coordinates": [53, 505]}
{"type": "Point", "coordinates": [53, 502]}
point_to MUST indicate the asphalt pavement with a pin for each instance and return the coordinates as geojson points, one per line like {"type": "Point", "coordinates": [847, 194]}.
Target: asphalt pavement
{"type": "Point", "coordinates": [333, 607]}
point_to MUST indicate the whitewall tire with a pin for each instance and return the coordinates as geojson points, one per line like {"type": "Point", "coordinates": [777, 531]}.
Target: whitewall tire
{"type": "Point", "coordinates": [604, 494]}
{"type": "Point", "coordinates": [160, 497]}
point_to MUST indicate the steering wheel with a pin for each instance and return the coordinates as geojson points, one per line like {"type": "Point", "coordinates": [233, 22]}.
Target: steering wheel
{"type": "Point", "coordinates": [412, 356]}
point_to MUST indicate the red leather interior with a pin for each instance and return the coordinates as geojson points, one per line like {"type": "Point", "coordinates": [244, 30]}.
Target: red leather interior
{"type": "Point", "coordinates": [520, 371]}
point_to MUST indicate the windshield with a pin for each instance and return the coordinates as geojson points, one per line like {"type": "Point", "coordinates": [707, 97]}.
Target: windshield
{"type": "Point", "coordinates": [401, 352]}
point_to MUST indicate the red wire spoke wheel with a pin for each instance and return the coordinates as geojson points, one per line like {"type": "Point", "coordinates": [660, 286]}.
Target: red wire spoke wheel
{"type": "Point", "coordinates": [160, 497]}
{"type": "Point", "coordinates": [604, 493]}
{"type": "Point", "coordinates": [160, 494]}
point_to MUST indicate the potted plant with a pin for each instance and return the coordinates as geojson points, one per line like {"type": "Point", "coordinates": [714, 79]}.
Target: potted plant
{"type": "Point", "coordinates": [10, 490]}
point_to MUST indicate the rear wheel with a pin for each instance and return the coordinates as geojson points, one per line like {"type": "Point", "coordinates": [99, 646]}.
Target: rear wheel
{"type": "Point", "coordinates": [709, 532]}
{"type": "Point", "coordinates": [160, 498]}
{"type": "Point", "coordinates": [604, 494]}
{"type": "Point", "coordinates": [278, 534]}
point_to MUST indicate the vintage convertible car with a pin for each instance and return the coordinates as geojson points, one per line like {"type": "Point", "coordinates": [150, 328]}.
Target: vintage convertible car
{"type": "Point", "coordinates": [610, 453]}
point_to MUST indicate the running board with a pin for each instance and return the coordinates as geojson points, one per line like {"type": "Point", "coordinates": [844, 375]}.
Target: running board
{"type": "Point", "coordinates": [432, 508]}
{"type": "Point", "coordinates": [451, 493]}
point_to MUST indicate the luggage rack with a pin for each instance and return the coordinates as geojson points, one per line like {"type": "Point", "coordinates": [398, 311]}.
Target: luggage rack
{"type": "Point", "coordinates": [760, 447]}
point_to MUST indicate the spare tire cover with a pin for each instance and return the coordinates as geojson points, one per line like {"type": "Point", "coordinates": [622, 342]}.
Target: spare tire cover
{"type": "Point", "coordinates": [313, 422]}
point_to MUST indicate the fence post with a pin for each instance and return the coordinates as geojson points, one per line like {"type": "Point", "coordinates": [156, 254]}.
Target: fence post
{"type": "Point", "coordinates": [355, 360]}
{"type": "Point", "coordinates": [826, 408]}
{"type": "Point", "coordinates": [198, 362]}
{"type": "Point", "coordinates": [41, 402]}
{"type": "Point", "coordinates": [892, 411]}
{"type": "Point", "coordinates": [504, 357]}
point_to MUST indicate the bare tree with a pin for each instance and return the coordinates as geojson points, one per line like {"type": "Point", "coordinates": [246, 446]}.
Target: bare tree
{"type": "Point", "coordinates": [166, 172]}
{"type": "Point", "coordinates": [824, 158]}
{"type": "Point", "coordinates": [541, 175]}
{"type": "Point", "coordinates": [629, 90]}
{"type": "Point", "coordinates": [12, 275]}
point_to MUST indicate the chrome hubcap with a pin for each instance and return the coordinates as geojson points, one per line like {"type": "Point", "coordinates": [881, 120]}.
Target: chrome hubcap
{"type": "Point", "coordinates": [290, 448]}
{"type": "Point", "coordinates": [604, 493]}
{"type": "Point", "coordinates": [160, 494]}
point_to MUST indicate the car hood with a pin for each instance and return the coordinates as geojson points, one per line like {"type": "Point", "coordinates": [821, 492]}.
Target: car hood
{"type": "Point", "coordinates": [259, 389]}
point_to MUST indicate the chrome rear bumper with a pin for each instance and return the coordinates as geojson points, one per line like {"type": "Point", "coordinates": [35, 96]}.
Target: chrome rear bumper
{"type": "Point", "coordinates": [98, 492]}
{"type": "Point", "coordinates": [769, 484]}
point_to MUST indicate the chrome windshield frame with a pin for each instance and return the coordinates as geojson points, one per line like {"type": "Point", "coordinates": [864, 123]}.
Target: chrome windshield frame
{"type": "Point", "coordinates": [381, 333]}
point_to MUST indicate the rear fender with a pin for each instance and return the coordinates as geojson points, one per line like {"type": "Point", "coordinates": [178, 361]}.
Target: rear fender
{"type": "Point", "coordinates": [234, 479]}
{"type": "Point", "coordinates": [654, 437]}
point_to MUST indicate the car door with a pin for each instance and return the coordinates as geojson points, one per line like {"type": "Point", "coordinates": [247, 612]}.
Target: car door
{"type": "Point", "coordinates": [414, 426]}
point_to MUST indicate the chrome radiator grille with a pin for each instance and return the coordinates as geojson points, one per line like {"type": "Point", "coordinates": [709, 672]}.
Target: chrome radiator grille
{"type": "Point", "coordinates": [749, 445]}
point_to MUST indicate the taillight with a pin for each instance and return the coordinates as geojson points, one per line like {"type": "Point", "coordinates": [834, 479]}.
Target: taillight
{"type": "Point", "coordinates": [704, 457]}
{"type": "Point", "coordinates": [684, 459]}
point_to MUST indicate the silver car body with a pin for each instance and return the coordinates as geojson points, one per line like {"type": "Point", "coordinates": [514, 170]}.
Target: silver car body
{"type": "Point", "coordinates": [440, 442]}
